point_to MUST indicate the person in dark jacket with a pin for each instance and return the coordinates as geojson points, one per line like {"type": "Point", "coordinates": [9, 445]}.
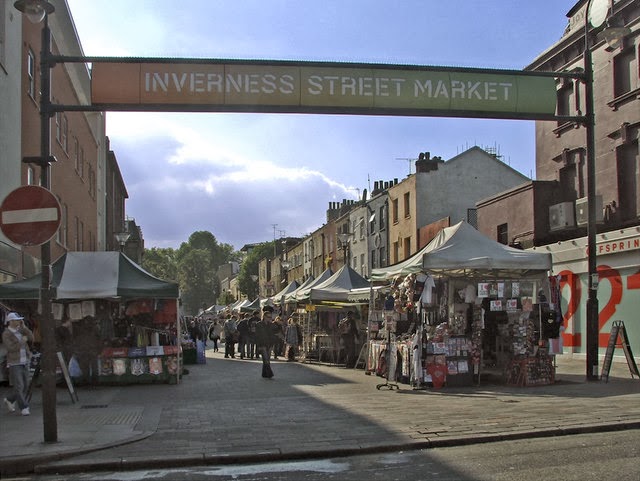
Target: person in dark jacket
{"type": "Point", "coordinates": [264, 340]}
{"type": "Point", "coordinates": [349, 333]}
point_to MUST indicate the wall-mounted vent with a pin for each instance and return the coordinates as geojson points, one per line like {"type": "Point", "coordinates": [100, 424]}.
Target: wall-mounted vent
{"type": "Point", "coordinates": [561, 216]}
{"type": "Point", "coordinates": [582, 210]}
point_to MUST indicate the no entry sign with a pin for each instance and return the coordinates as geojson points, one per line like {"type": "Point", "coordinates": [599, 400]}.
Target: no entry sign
{"type": "Point", "coordinates": [30, 215]}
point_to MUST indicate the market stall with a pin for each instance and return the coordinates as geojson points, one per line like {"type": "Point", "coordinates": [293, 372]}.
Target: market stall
{"type": "Point", "coordinates": [467, 305]}
{"type": "Point", "coordinates": [131, 314]}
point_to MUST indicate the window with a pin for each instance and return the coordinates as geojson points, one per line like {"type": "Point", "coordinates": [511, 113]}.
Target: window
{"type": "Point", "coordinates": [503, 234]}
{"type": "Point", "coordinates": [61, 235]}
{"type": "Point", "coordinates": [31, 176]}
{"type": "Point", "coordinates": [64, 132]}
{"type": "Point", "coordinates": [363, 270]}
{"type": "Point", "coordinates": [3, 37]}
{"type": "Point", "coordinates": [76, 150]}
{"type": "Point", "coordinates": [394, 210]}
{"type": "Point", "coordinates": [628, 188]}
{"type": "Point", "coordinates": [382, 218]}
{"type": "Point", "coordinates": [373, 259]}
{"type": "Point", "coordinates": [77, 234]}
{"type": "Point", "coordinates": [361, 222]}
{"type": "Point", "coordinates": [623, 72]}
{"type": "Point", "coordinates": [407, 204]}
{"type": "Point", "coordinates": [58, 117]}
{"type": "Point", "coordinates": [407, 247]}
{"type": "Point", "coordinates": [80, 163]}
{"type": "Point", "coordinates": [396, 252]}
{"type": "Point", "coordinates": [565, 97]}
{"type": "Point", "coordinates": [383, 257]}
{"type": "Point", "coordinates": [31, 74]}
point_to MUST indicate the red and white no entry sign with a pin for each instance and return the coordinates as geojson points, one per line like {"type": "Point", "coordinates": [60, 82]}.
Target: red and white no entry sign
{"type": "Point", "coordinates": [30, 215]}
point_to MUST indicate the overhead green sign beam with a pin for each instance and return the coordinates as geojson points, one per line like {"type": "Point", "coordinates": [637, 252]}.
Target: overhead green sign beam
{"type": "Point", "coordinates": [316, 87]}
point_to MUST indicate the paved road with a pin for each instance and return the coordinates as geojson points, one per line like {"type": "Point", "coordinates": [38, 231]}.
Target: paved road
{"type": "Point", "coordinates": [224, 412]}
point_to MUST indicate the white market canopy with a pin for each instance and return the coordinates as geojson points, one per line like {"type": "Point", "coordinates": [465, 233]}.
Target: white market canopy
{"type": "Point", "coordinates": [338, 286]}
{"type": "Point", "coordinates": [462, 251]}
{"type": "Point", "coordinates": [278, 298]}
{"type": "Point", "coordinates": [291, 296]}
{"type": "Point", "coordinates": [303, 292]}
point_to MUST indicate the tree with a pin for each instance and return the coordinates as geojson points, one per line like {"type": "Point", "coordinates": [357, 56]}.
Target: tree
{"type": "Point", "coordinates": [198, 261]}
{"type": "Point", "coordinates": [194, 265]}
{"type": "Point", "coordinates": [249, 267]}
{"type": "Point", "coordinates": [161, 262]}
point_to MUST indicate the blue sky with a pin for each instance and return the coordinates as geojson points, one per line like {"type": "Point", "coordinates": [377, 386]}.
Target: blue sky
{"type": "Point", "coordinates": [236, 175]}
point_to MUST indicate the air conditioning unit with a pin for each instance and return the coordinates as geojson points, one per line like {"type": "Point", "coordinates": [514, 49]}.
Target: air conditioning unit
{"type": "Point", "coordinates": [561, 216]}
{"type": "Point", "coordinates": [582, 210]}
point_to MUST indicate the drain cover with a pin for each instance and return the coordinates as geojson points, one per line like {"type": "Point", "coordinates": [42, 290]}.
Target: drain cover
{"type": "Point", "coordinates": [93, 406]}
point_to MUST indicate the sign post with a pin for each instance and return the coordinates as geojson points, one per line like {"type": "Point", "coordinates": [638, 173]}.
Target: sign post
{"type": "Point", "coordinates": [30, 215]}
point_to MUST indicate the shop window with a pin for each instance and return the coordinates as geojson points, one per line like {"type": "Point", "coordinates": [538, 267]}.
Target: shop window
{"type": "Point", "coordinates": [628, 191]}
{"type": "Point", "coordinates": [503, 234]}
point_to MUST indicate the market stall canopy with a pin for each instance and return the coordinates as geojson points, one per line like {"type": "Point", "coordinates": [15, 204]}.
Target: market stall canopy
{"type": "Point", "coordinates": [291, 297]}
{"type": "Point", "coordinates": [302, 294]}
{"type": "Point", "coordinates": [403, 268]}
{"type": "Point", "coordinates": [462, 251]}
{"type": "Point", "coordinates": [251, 306]}
{"type": "Point", "coordinates": [237, 307]}
{"type": "Point", "coordinates": [279, 297]}
{"type": "Point", "coordinates": [94, 275]}
{"type": "Point", "coordinates": [338, 286]}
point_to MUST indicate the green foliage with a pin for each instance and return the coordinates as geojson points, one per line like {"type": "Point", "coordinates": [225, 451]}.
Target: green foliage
{"type": "Point", "coordinates": [194, 266]}
{"type": "Point", "coordinates": [249, 267]}
{"type": "Point", "coordinates": [161, 262]}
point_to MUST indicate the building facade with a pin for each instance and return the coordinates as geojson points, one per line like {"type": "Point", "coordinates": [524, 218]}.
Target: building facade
{"type": "Point", "coordinates": [551, 213]}
{"type": "Point", "coordinates": [91, 210]}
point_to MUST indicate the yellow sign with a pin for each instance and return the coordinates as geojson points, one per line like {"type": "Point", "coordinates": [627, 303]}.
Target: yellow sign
{"type": "Point", "coordinates": [318, 88]}
{"type": "Point", "coordinates": [309, 307]}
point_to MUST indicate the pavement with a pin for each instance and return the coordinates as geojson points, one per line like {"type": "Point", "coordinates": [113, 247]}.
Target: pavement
{"type": "Point", "coordinates": [223, 412]}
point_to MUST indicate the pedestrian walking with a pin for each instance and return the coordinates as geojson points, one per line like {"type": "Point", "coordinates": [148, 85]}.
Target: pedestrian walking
{"type": "Point", "coordinates": [230, 336]}
{"type": "Point", "coordinates": [214, 334]}
{"type": "Point", "coordinates": [277, 329]}
{"type": "Point", "coordinates": [16, 338]}
{"type": "Point", "coordinates": [251, 344]}
{"type": "Point", "coordinates": [293, 338]}
{"type": "Point", "coordinates": [86, 347]}
{"type": "Point", "coordinates": [349, 333]}
{"type": "Point", "coordinates": [264, 340]}
{"type": "Point", "coordinates": [243, 335]}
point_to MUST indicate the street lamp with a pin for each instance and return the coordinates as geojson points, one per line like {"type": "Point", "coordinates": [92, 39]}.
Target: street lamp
{"type": "Point", "coordinates": [122, 238]}
{"type": "Point", "coordinates": [598, 12]}
{"type": "Point", "coordinates": [37, 11]}
{"type": "Point", "coordinates": [344, 238]}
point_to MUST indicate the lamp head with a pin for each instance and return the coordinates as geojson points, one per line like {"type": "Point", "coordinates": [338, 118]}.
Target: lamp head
{"type": "Point", "coordinates": [35, 10]}
{"type": "Point", "coordinates": [614, 32]}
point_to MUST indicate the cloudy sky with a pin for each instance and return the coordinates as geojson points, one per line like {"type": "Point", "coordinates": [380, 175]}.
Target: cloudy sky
{"type": "Point", "coordinates": [236, 175]}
